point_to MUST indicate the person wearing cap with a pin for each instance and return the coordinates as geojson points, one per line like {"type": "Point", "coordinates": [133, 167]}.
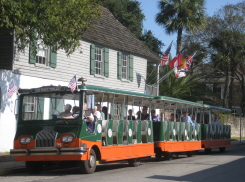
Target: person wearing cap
{"type": "Point", "coordinates": [130, 116]}
{"type": "Point", "coordinates": [67, 111]}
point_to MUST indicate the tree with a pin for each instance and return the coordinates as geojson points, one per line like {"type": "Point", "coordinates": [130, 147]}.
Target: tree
{"type": "Point", "coordinates": [179, 15]}
{"type": "Point", "coordinates": [223, 40]}
{"type": "Point", "coordinates": [128, 13]}
{"type": "Point", "coordinates": [58, 23]}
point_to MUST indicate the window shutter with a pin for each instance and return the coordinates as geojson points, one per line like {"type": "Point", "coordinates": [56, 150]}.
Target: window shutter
{"type": "Point", "coordinates": [53, 58]}
{"type": "Point", "coordinates": [119, 65]}
{"type": "Point", "coordinates": [40, 108]}
{"type": "Point", "coordinates": [32, 49]}
{"type": "Point", "coordinates": [106, 62]}
{"type": "Point", "coordinates": [131, 67]}
{"type": "Point", "coordinates": [92, 59]}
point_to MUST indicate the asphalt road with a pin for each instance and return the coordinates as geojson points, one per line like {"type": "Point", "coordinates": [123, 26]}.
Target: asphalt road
{"type": "Point", "coordinates": [214, 167]}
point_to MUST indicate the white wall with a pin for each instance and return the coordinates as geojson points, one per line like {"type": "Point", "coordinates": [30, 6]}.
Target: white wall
{"type": "Point", "coordinates": [79, 64]}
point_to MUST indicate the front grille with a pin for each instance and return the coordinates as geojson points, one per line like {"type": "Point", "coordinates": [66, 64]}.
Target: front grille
{"type": "Point", "coordinates": [46, 138]}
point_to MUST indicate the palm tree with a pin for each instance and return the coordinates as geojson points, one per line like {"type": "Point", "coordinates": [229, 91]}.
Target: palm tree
{"type": "Point", "coordinates": [180, 15]}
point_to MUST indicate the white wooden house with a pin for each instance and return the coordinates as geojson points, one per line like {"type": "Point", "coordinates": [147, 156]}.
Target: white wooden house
{"type": "Point", "coordinates": [110, 56]}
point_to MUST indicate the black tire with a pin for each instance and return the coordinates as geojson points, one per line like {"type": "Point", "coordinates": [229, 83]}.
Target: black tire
{"type": "Point", "coordinates": [134, 162]}
{"type": "Point", "coordinates": [34, 167]}
{"type": "Point", "coordinates": [158, 155]}
{"type": "Point", "coordinates": [189, 154]}
{"type": "Point", "coordinates": [222, 149]}
{"type": "Point", "coordinates": [208, 151]}
{"type": "Point", "coordinates": [168, 156]}
{"type": "Point", "coordinates": [89, 166]}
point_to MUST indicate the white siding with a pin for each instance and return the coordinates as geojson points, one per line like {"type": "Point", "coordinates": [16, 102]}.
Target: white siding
{"type": "Point", "coordinates": [79, 64]}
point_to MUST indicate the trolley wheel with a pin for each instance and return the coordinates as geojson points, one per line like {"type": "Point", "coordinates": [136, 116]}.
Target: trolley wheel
{"type": "Point", "coordinates": [189, 154]}
{"type": "Point", "coordinates": [134, 162]}
{"type": "Point", "coordinates": [34, 167]}
{"type": "Point", "coordinates": [222, 149]}
{"type": "Point", "coordinates": [158, 155]}
{"type": "Point", "coordinates": [208, 151]}
{"type": "Point", "coordinates": [168, 156]}
{"type": "Point", "coordinates": [89, 166]}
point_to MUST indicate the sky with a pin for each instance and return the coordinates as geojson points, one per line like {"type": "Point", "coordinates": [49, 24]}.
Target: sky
{"type": "Point", "coordinates": [150, 9]}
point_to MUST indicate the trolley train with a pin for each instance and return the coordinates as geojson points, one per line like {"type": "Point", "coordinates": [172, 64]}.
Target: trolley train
{"type": "Point", "coordinates": [44, 136]}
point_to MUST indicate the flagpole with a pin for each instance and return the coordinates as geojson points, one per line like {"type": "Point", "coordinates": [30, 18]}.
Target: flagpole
{"type": "Point", "coordinates": [158, 79]}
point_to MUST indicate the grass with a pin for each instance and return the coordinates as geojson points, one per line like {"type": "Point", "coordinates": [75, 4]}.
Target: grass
{"type": "Point", "coordinates": [237, 138]}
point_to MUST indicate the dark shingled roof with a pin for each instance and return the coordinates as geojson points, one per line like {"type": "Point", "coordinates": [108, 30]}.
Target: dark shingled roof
{"type": "Point", "coordinates": [109, 32]}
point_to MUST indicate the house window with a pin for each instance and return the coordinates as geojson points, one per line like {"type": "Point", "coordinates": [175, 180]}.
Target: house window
{"type": "Point", "coordinates": [125, 66]}
{"type": "Point", "coordinates": [43, 54]}
{"type": "Point", "coordinates": [99, 60]}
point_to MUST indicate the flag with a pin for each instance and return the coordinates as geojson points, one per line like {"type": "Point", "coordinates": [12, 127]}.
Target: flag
{"type": "Point", "coordinates": [183, 62]}
{"type": "Point", "coordinates": [177, 60]}
{"type": "Point", "coordinates": [165, 56]}
{"type": "Point", "coordinates": [12, 89]}
{"type": "Point", "coordinates": [73, 84]}
{"type": "Point", "coordinates": [189, 61]}
{"type": "Point", "coordinates": [179, 73]}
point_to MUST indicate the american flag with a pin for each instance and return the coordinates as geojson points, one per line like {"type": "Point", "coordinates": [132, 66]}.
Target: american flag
{"type": "Point", "coordinates": [73, 84]}
{"type": "Point", "coordinates": [165, 56]}
{"type": "Point", "coordinates": [12, 89]}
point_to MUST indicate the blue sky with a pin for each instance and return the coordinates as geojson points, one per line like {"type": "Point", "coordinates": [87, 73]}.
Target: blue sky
{"type": "Point", "coordinates": [150, 9]}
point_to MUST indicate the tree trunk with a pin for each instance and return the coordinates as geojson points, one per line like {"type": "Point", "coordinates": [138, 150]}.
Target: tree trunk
{"type": "Point", "coordinates": [179, 40]}
{"type": "Point", "coordinates": [226, 89]}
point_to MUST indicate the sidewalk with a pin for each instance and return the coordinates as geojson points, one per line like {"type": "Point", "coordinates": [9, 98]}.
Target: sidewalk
{"type": "Point", "coordinates": [9, 166]}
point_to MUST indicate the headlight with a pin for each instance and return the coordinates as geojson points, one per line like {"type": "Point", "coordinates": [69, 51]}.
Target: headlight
{"type": "Point", "coordinates": [25, 140]}
{"type": "Point", "coordinates": [67, 138]}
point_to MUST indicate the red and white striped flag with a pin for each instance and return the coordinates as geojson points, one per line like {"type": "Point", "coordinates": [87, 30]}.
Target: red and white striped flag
{"type": "Point", "coordinates": [73, 84]}
{"type": "Point", "coordinates": [12, 89]}
{"type": "Point", "coordinates": [165, 56]}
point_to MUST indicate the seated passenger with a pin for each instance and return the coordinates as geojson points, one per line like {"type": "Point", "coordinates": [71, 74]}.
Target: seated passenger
{"type": "Point", "coordinates": [96, 113]}
{"type": "Point", "coordinates": [105, 111]}
{"type": "Point", "coordinates": [144, 114]}
{"type": "Point", "coordinates": [186, 118]}
{"type": "Point", "coordinates": [75, 113]}
{"type": "Point", "coordinates": [153, 117]}
{"type": "Point", "coordinates": [216, 121]}
{"type": "Point", "coordinates": [88, 118]}
{"type": "Point", "coordinates": [67, 111]}
{"type": "Point", "coordinates": [130, 116]}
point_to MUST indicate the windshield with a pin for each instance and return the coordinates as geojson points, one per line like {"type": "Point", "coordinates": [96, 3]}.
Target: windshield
{"type": "Point", "coordinates": [48, 106]}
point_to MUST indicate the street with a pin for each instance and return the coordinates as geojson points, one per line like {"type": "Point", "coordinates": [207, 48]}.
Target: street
{"type": "Point", "coordinates": [214, 167]}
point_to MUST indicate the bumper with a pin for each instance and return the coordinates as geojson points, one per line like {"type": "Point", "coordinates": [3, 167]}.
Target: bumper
{"type": "Point", "coordinates": [48, 151]}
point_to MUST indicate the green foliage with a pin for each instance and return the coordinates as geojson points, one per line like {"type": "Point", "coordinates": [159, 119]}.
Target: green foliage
{"type": "Point", "coordinates": [179, 15]}
{"type": "Point", "coordinates": [187, 88]}
{"type": "Point", "coordinates": [128, 13]}
{"type": "Point", "coordinates": [152, 42]}
{"type": "Point", "coordinates": [57, 22]}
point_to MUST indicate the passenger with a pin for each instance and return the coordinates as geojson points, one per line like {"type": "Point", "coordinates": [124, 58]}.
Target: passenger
{"type": "Point", "coordinates": [193, 118]}
{"type": "Point", "coordinates": [67, 111]}
{"type": "Point", "coordinates": [215, 121]}
{"type": "Point", "coordinates": [105, 111]}
{"type": "Point", "coordinates": [138, 114]}
{"type": "Point", "coordinates": [95, 112]}
{"type": "Point", "coordinates": [144, 114]}
{"type": "Point", "coordinates": [88, 118]}
{"type": "Point", "coordinates": [172, 117]}
{"type": "Point", "coordinates": [186, 118]}
{"type": "Point", "coordinates": [130, 116]}
{"type": "Point", "coordinates": [153, 117]}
